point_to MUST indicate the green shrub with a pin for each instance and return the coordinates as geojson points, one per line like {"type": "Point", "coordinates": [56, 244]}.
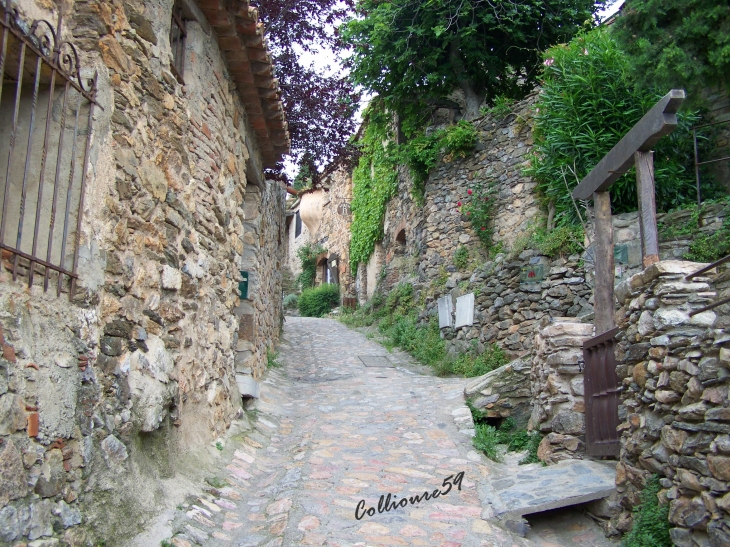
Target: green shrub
{"type": "Point", "coordinates": [563, 240]}
{"type": "Point", "coordinates": [651, 520]}
{"type": "Point", "coordinates": [290, 300]}
{"type": "Point", "coordinates": [471, 364]}
{"type": "Point", "coordinates": [461, 257]}
{"type": "Point", "coordinates": [488, 439]}
{"type": "Point", "coordinates": [319, 301]}
{"type": "Point", "coordinates": [589, 102]}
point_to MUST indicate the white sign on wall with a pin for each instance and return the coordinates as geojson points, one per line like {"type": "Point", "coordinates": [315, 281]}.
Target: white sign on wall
{"type": "Point", "coordinates": [445, 310]}
{"type": "Point", "coordinates": [464, 310]}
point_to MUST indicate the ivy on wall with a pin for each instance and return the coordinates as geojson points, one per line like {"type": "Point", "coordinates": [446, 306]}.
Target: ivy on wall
{"type": "Point", "coordinates": [375, 179]}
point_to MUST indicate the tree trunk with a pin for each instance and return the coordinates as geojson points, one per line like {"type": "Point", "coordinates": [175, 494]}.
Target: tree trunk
{"type": "Point", "coordinates": [471, 96]}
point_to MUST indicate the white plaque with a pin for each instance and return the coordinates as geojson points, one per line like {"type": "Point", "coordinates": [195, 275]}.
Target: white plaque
{"type": "Point", "coordinates": [465, 310]}
{"type": "Point", "coordinates": [445, 309]}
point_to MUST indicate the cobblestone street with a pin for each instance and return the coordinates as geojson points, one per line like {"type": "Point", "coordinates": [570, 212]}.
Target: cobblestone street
{"type": "Point", "coordinates": [329, 432]}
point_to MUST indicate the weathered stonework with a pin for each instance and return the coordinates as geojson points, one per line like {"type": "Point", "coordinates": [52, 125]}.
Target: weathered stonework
{"type": "Point", "coordinates": [675, 370]}
{"type": "Point", "coordinates": [104, 395]}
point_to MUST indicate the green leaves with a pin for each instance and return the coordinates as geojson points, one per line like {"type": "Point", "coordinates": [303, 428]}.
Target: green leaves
{"type": "Point", "coordinates": [589, 102]}
{"type": "Point", "coordinates": [410, 51]}
{"type": "Point", "coordinates": [375, 179]}
{"type": "Point", "coordinates": [677, 43]}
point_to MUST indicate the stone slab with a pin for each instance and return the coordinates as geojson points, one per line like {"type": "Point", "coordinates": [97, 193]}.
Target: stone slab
{"type": "Point", "coordinates": [375, 361]}
{"type": "Point", "coordinates": [445, 306]}
{"type": "Point", "coordinates": [465, 310]}
{"type": "Point", "coordinates": [570, 482]}
{"type": "Point", "coordinates": [248, 386]}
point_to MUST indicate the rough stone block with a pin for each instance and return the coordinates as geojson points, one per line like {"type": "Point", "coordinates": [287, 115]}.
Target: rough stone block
{"type": "Point", "coordinates": [248, 386]}
{"type": "Point", "coordinates": [171, 278]}
{"type": "Point", "coordinates": [13, 484]}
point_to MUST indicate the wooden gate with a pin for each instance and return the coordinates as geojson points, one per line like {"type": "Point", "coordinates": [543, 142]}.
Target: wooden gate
{"type": "Point", "coordinates": [601, 395]}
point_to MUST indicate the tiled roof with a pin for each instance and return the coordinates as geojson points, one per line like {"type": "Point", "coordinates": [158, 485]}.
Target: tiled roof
{"type": "Point", "coordinates": [241, 37]}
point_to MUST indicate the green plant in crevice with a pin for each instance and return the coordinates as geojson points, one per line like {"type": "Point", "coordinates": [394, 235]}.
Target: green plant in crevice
{"type": "Point", "coordinates": [271, 359]}
{"type": "Point", "coordinates": [588, 103]}
{"type": "Point", "coordinates": [219, 446]}
{"type": "Point", "coordinates": [651, 519]}
{"type": "Point", "coordinates": [561, 240]}
{"type": "Point", "coordinates": [421, 152]}
{"type": "Point", "coordinates": [478, 206]}
{"type": "Point", "coordinates": [705, 247]}
{"type": "Point", "coordinates": [307, 255]}
{"type": "Point", "coordinates": [501, 107]}
{"type": "Point", "coordinates": [489, 439]}
{"type": "Point", "coordinates": [461, 257]}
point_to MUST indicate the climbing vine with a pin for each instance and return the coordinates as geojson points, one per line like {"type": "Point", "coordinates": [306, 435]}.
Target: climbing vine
{"type": "Point", "coordinates": [375, 179]}
{"type": "Point", "coordinates": [307, 255]}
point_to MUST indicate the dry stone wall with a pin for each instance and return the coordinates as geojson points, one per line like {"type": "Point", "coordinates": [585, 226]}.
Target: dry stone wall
{"type": "Point", "coordinates": [674, 408]}
{"type": "Point", "coordinates": [102, 397]}
{"type": "Point", "coordinates": [508, 310]}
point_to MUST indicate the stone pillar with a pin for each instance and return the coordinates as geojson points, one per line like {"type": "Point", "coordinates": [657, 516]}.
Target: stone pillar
{"type": "Point", "coordinates": [558, 407]}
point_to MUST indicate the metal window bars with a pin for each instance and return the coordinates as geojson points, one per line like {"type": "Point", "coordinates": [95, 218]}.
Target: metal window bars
{"type": "Point", "coordinates": [46, 126]}
{"type": "Point", "coordinates": [178, 34]}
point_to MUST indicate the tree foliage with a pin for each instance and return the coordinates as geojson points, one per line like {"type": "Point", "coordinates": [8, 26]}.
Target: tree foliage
{"type": "Point", "coordinates": [410, 51]}
{"type": "Point", "coordinates": [589, 102]}
{"type": "Point", "coordinates": [677, 43]}
{"type": "Point", "coordinates": [319, 104]}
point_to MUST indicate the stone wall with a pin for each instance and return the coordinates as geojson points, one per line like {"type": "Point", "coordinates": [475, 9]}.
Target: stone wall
{"type": "Point", "coordinates": [674, 407]}
{"type": "Point", "coordinates": [556, 379]}
{"type": "Point", "coordinates": [507, 310]}
{"type": "Point", "coordinates": [103, 397]}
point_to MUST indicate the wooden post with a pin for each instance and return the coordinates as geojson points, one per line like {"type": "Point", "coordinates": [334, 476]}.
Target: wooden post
{"type": "Point", "coordinates": [644, 162]}
{"type": "Point", "coordinates": [603, 293]}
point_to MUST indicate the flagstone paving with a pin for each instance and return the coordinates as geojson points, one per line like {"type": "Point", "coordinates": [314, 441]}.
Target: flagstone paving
{"type": "Point", "coordinates": [331, 435]}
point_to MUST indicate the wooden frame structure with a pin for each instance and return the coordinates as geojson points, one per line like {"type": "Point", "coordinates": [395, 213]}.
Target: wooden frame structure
{"type": "Point", "coordinates": [601, 383]}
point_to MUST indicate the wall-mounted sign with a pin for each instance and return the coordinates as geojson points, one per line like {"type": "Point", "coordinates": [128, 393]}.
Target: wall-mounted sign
{"type": "Point", "coordinates": [465, 310]}
{"type": "Point", "coordinates": [534, 273]}
{"type": "Point", "coordinates": [445, 306]}
{"type": "Point", "coordinates": [621, 254]}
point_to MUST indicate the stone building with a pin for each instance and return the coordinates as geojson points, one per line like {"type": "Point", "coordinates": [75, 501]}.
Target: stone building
{"type": "Point", "coordinates": [133, 202]}
{"type": "Point", "coordinates": [322, 216]}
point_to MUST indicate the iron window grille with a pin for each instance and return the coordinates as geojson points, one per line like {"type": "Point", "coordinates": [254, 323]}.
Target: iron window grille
{"type": "Point", "coordinates": [46, 112]}
{"type": "Point", "coordinates": [178, 34]}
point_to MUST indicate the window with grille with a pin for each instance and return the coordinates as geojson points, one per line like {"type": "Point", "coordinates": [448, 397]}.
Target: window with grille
{"type": "Point", "coordinates": [178, 34]}
{"type": "Point", "coordinates": [46, 112]}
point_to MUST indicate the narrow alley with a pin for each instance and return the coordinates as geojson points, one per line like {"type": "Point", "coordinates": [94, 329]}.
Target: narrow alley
{"type": "Point", "coordinates": [343, 421]}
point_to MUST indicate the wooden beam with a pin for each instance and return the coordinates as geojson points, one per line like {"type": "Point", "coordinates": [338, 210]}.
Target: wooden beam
{"type": "Point", "coordinates": [647, 207]}
{"type": "Point", "coordinates": [603, 291]}
{"type": "Point", "coordinates": [658, 122]}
